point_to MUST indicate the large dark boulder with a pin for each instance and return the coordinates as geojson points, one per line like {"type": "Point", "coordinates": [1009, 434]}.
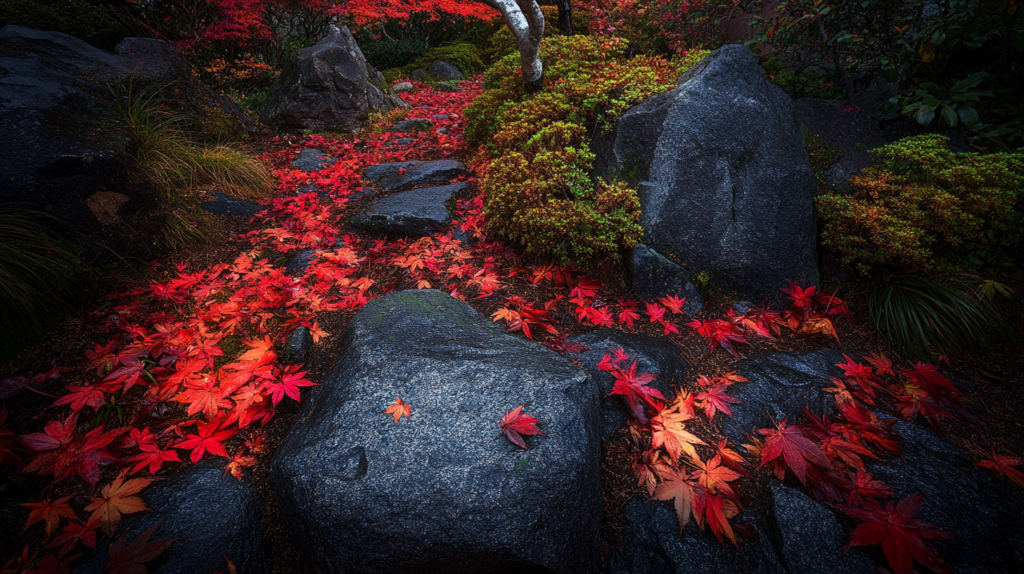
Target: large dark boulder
{"type": "Point", "coordinates": [985, 514]}
{"type": "Point", "coordinates": [211, 514]}
{"type": "Point", "coordinates": [328, 86]}
{"type": "Point", "coordinates": [847, 131]}
{"type": "Point", "coordinates": [436, 492]}
{"type": "Point", "coordinates": [415, 213]}
{"type": "Point", "coordinates": [810, 538]}
{"type": "Point", "coordinates": [781, 385]}
{"type": "Point", "coordinates": [650, 543]}
{"type": "Point", "coordinates": [444, 71]}
{"type": "Point", "coordinates": [653, 355]}
{"type": "Point", "coordinates": [401, 175]}
{"type": "Point", "coordinates": [655, 276]}
{"type": "Point", "coordinates": [725, 183]}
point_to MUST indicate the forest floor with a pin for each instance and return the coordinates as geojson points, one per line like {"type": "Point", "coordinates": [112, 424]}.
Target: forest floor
{"type": "Point", "coordinates": [217, 304]}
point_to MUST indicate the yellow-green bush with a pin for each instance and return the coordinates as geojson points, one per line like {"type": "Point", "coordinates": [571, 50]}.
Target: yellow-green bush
{"type": "Point", "coordinates": [922, 207]}
{"type": "Point", "coordinates": [538, 191]}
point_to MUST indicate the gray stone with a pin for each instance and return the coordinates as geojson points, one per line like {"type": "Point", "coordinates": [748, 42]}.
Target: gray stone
{"type": "Point", "coordinates": [154, 60]}
{"type": "Point", "coordinates": [441, 117]}
{"type": "Point", "coordinates": [211, 515]}
{"type": "Point", "coordinates": [838, 125]}
{"type": "Point", "coordinates": [650, 543]}
{"type": "Point", "coordinates": [985, 514]}
{"type": "Point", "coordinates": [724, 182]}
{"type": "Point", "coordinates": [327, 86]}
{"type": "Point", "coordinates": [411, 125]}
{"type": "Point", "coordinates": [311, 188]}
{"type": "Point", "coordinates": [446, 87]}
{"type": "Point", "coordinates": [364, 193]}
{"type": "Point", "coordinates": [402, 87]}
{"type": "Point", "coordinates": [781, 384]}
{"type": "Point", "coordinates": [227, 205]}
{"type": "Point", "coordinates": [655, 276]}
{"type": "Point", "coordinates": [741, 307]}
{"type": "Point", "coordinates": [444, 71]}
{"type": "Point", "coordinates": [66, 53]}
{"type": "Point", "coordinates": [297, 265]}
{"type": "Point", "coordinates": [416, 213]}
{"type": "Point", "coordinates": [810, 539]}
{"type": "Point", "coordinates": [653, 355]}
{"type": "Point", "coordinates": [298, 346]}
{"type": "Point", "coordinates": [312, 159]}
{"type": "Point", "coordinates": [418, 75]}
{"type": "Point", "coordinates": [436, 492]}
{"type": "Point", "coordinates": [413, 173]}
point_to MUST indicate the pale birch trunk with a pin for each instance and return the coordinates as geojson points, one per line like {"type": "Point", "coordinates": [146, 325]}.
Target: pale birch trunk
{"type": "Point", "coordinates": [524, 19]}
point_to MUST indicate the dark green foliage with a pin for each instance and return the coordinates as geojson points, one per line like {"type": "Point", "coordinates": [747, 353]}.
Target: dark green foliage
{"type": "Point", "coordinates": [923, 318]}
{"type": "Point", "coordinates": [800, 83]}
{"type": "Point", "coordinates": [384, 53]}
{"type": "Point", "coordinates": [36, 268]}
{"type": "Point", "coordinates": [822, 156]}
{"type": "Point", "coordinates": [95, 24]}
{"type": "Point", "coordinates": [463, 55]}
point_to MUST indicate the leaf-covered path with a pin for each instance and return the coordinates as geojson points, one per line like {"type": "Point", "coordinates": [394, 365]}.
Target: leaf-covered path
{"type": "Point", "coordinates": [191, 366]}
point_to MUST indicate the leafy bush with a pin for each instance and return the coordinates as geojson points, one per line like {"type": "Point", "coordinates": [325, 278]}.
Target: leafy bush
{"type": "Point", "coordinates": [538, 191]}
{"type": "Point", "coordinates": [463, 55]}
{"type": "Point", "coordinates": [799, 83]}
{"type": "Point", "coordinates": [922, 207]}
{"type": "Point", "coordinates": [384, 53]}
{"type": "Point", "coordinates": [923, 318]}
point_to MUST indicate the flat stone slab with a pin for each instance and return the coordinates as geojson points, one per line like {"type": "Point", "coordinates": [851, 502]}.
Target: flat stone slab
{"type": "Point", "coordinates": [404, 175]}
{"type": "Point", "coordinates": [436, 492]}
{"type": "Point", "coordinates": [227, 205]}
{"type": "Point", "coordinates": [312, 159]}
{"type": "Point", "coordinates": [417, 213]}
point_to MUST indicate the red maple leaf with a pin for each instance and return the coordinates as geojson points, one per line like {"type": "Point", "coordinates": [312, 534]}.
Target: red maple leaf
{"type": "Point", "coordinates": [794, 447]}
{"type": "Point", "coordinates": [716, 399]}
{"type": "Point", "coordinates": [209, 439]}
{"type": "Point", "coordinates": [901, 535]}
{"type": "Point", "coordinates": [634, 388]}
{"type": "Point", "coordinates": [289, 385]}
{"type": "Point", "coordinates": [1004, 465]}
{"type": "Point", "coordinates": [516, 423]}
{"type": "Point", "coordinates": [399, 409]}
{"type": "Point", "coordinates": [673, 303]}
{"type": "Point", "coordinates": [128, 557]}
{"type": "Point", "coordinates": [66, 453]}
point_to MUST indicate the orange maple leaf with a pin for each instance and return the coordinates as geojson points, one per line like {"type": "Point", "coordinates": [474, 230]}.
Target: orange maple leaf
{"type": "Point", "coordinates": [399, 409]}
{"type": "Point", "coordinates": [116, 500]}
{"type": "Point", "coordinates": [51, 512]}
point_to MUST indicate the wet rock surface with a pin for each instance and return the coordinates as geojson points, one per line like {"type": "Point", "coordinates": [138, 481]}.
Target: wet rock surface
{"type": "Point", "coordinates": [415, 213]}
{"type": "Point", "coordinates": [781, 384]}
{"type": "Point", "coordinates": [211, 515]}
{"type": "Point", "coordinates": [724, 182]}
{"type": "Point", "coordinates": [653, 355]}
{"type": "Point", "coordinates": [399, 176]}
{"type": "Point", "coordinates": [312, 159]}
{"type": "Point", "coordinates": [809, 538]}
{"type": "Point", "coordinates": [327, 86]}
{"type": "Point", "coordinates": [985, 514]}
{"type": "Point", "coordinates": [226, 205]}
{"type": "Point", "coordinates": [298, 346]}
{"type": "Point", "coordinates": [436, 492]}
{"type": "Point", "coordinates": [655, 276]}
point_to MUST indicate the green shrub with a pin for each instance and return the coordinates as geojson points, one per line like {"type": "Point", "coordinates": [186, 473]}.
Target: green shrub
{"type": "Point", "coordinates": [464, 56]}
{"type": "Point", "coordinates": [384, 53]}
{"type": "Point", "coordinates": [923, 318]}
{"type": "Point", "coordinates": [538, 191]}
{"type": "Point", "coordinates": [801, 83]}
{"type": "Point", "coordinates": [923, 208]}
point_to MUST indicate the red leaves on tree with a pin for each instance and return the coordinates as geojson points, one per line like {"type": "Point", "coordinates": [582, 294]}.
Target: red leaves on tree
{"type": "Point", "coordinates": [516, 423]}
{"type": "Point", "coordinates": [901, 535]}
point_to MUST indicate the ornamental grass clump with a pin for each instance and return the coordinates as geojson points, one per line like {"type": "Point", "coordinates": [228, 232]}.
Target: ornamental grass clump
{"type": "Point", "coordinates": [539, 194]}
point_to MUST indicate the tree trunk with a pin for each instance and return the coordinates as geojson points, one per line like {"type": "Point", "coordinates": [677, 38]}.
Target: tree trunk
{"type": "Point", "coordinates": [524, 19]}
{"type": "Point", "coordinates": [851, 90]}
{"type": "Point", "coordinates": [565, 17]}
